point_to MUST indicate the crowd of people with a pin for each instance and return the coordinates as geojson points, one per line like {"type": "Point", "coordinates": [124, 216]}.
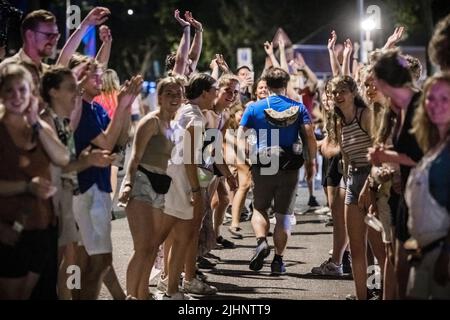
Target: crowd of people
{"type": "Point", "coordinates": [382, 131]}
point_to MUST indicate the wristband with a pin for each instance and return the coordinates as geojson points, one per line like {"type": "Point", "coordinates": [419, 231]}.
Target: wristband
{"type": "Point", "coordinates": [199, 30]}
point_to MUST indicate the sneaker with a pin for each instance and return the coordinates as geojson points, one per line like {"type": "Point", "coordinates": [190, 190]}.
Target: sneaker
{"type": "Point", "coordinates": [196, 286]}
{"type": "Point", "coordinates": [200, 275]}
{"type": "Point", "coordinates": [350, 297]}
{"type": "Point", "coordinates": [277, 267]}
{"type": "Point", "coordinates": [177, 296]}
{"type": "Point", "coordinates": [261, 252]}
{"type": "Point", "coordinates": [323, 210]}
{"type": "Point", "coordinates": [204, 263]}
{"type": "Point", "coordinates": [235, 234]}
{"type": "Point", "coordinates": [347, 262]}
{"type": "Point", "coordinates": [225, 243]}
{"type": "Point", "coordinates": [313, 202]}
{"type": "Point", "coordinates": [328, 268]}
{"type": "Point", "coordinates": [293, 220]}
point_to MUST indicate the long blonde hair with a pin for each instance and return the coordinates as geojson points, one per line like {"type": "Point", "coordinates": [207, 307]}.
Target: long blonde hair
{"type": "Point", "coordinates": [427, 134]}
{"type": "Point", "coordinates": [110, 82]}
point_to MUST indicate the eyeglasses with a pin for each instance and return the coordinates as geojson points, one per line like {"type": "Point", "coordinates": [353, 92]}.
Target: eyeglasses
{"type": "Point", "coordinates": [49, 35]}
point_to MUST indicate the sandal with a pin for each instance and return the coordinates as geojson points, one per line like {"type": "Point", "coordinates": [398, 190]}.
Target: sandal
{"type": "Point", "coordinates": [235, 232]}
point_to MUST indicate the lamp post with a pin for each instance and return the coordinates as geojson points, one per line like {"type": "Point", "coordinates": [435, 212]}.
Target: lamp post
{"type": "Point", "coordinates": [370, 23]}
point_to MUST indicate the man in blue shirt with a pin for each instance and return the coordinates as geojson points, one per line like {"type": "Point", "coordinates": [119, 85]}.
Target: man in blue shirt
{"type": "Point", "coordinates": [92, 207]}
{"type": "Point", "coordinates": [275, 124]}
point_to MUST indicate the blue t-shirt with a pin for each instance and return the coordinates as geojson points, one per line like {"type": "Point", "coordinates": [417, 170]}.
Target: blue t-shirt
{"type": "Point", "coordinates": [254, 118]}
{"type": "Point", "coordinates": [93, 121]}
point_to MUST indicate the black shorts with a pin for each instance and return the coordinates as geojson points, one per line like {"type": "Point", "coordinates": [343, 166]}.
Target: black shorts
{"type": "Point", "coordinates": [30, 254]}
{"type": "Point", "coordinates": [333, 176]}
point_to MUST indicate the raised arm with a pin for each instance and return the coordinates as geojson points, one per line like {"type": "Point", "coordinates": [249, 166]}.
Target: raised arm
{"type": "Point", "coordinates": [105, 50]}
{"type": "Point", "coordinates": [183, 48]}
{"type": "Point", "coordinates": [395, 37]}
{"type": "Point", "coordinates": [268, 47]}
{"type": "Point", "coordinates": [283, 60]}
{"type": "Point", "coordinates": [197, 42]}
{"type": "Point", "coordinates": [108, 139]}
{"type": "Point", "coordinates": [96, 16]}
{"type": "Point", "coordinates": [335, 68]}
{"type": "Point", "coordinates": [214, 68]}
{"type": "Point", "coordinates": [301, 64]}
{"type": "Point", "coordinates": [348, 49]}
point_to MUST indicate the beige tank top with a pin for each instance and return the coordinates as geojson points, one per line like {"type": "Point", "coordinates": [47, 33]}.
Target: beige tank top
{"type": "Point", "coordinates": [158, 151]}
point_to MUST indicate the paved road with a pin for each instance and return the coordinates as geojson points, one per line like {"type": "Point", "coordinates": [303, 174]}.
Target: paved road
{"type": "Point", "coordinates": [307, 247]}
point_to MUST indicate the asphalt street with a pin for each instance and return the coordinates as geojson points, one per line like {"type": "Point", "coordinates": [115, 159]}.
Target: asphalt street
{"type": "Point", "coordinates": [308, 246]}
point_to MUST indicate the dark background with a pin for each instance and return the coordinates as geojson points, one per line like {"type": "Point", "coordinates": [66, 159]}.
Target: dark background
{"type": "Point", "coordinates": [143, 39]}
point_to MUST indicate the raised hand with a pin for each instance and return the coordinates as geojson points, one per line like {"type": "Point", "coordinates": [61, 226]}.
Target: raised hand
{"type": "Point", "coordinates": [332, 40]}
{"type": "Point", "coordinates": [105, 34]}
{"type": "Point", "coordinates": [281, 44]}
{"type": "Point", "coordinates": [222, 63]}
{"type": "Point", "coordinates": [394, 38]}
{"type": "Point", "coordinates": [189, 18]}
{"type": "Point", "coordinates": [97, 16]}
{"type": "Point", "coordinates": [299, 60]}
{"type": "Point", "coordinates": [213, 64]}
{"type": "Point", "coordinates": [180, 20]}
{"type": "Point", "coordinates": [268, 47]}
{"type": "Point", "coordinates": [129, 91]}
{"type": "Point", "coordinates": [348, 47]}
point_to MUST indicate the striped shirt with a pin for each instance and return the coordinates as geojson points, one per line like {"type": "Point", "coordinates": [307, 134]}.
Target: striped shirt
{"type": "Point", "coordinates": [355, 142]}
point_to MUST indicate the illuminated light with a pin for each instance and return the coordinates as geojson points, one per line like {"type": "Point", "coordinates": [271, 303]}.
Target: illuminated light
{"type": "Point", "coordinates": [368, 24]}
{"type": "Point", "coordinates": [130, 12]}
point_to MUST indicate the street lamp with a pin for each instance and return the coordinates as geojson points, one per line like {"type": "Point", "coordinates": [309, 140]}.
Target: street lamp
{"type": "Point", "coordinates": [370, 23]}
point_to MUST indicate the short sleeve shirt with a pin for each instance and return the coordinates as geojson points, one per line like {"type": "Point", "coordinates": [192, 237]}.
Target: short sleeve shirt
{"type": "Point", "coordinates": [254, 118]}
{"type": "Point", "coordinates": [94, 120]}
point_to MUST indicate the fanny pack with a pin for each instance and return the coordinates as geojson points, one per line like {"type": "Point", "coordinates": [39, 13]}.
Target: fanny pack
{"type": "Point", "coordinates": [287, 160]}
{"type": "Point", "coordinates": [160, 182]}
{"type": "Point", "coordinates": [281, 119]}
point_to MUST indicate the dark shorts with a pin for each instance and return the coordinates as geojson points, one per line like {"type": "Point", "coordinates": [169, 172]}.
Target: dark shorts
{"type": "Point", "coordinates": [281, 188]}
{"type": "Point", "coordinates": [355, 182]}
{"type": "Point", "coordinates": [332, 176]}
{"type": "Point", "coordinates": [30, 254]}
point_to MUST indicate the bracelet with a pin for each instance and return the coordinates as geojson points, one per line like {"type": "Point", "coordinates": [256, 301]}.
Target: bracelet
{"type": "Point", "coordinates": [199, 30]}
{"type": "Point", "coordinates": [195, 190]}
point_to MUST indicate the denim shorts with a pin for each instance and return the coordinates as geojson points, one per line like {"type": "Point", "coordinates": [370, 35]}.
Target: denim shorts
{"type": "Point", "coordinates": [143, 190]}
{"type": "Point", "coordinates": [355, 182]}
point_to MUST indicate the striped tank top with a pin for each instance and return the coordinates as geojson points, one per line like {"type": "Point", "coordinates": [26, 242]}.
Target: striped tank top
{"type": "Point", "coordinates": [355, 142]}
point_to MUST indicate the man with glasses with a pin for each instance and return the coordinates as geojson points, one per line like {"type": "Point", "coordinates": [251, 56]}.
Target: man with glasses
{"type": "Point", "coordinates": [40, 36]}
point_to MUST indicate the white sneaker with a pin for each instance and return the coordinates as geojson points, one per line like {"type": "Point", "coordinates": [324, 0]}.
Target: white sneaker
{"type": "Point", "coordinates": [328, 268]}
{"type": "Point", "coordinates": [323, 210]}
{"type": "Point", "coordinates": [293, 220]}
{"type": "Point", "coordinates": [178, 296]}
{"type": "Point", "coordinates": [196, 286]}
